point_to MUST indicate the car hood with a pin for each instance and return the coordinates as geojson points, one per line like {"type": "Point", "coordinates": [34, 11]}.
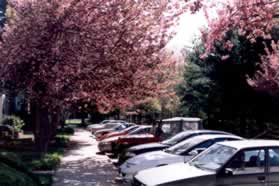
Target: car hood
{"type": "Point", "coordinates": [148, 146]}
{"type": "Point", "coordinates": [171, 173]}
{"type": "Point", "coordinates": [138, 136]}
{"type": "Point", "coordinates": [156, 158]}
{"type": "Point", "coordinates": [96, 126]}
{"type": "Point", "coordinates": [115, 133]}
{"type": "Point", "coordinates": [111, 139]}
{"type": "Point", "coordinates": [104, 130]}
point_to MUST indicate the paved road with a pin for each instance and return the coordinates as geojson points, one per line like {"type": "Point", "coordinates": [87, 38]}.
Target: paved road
{"type": "Point", "coordinates": [82, 166]}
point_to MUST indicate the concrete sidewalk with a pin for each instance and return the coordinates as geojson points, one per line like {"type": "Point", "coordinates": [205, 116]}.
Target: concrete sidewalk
{"type": "Point", "coordinates": [82, 166]}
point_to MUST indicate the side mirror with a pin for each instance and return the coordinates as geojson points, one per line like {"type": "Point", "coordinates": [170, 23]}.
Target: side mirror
{"type": "Point", "coordinates": [193, 153]}
{"type": "Point", "coordinates": [228, 172]}
{"type": "Point", "coordinates": [196, 151]}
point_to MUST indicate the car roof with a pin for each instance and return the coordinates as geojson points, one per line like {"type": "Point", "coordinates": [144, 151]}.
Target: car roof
{"type": "Point", "coordinates": [211, 136]}
{"type": "Point", "coordinates": [203, 131]}
{"type": "Point", "coordinates": [175, 119]}
{"type": "Point", "coordinates": [250, 143]}
{"type": "Point", "coordinates": [145, 126]}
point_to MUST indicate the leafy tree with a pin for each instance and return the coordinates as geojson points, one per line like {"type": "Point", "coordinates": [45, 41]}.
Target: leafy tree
{"type": "Point", "coordinates": [216, 88]}
{"type": "Point", "coordinates": [251, 19]}
{"type": "Point", "coordinates": [63, 53]}
{"type": "Point", "coordinates": [196, 85]}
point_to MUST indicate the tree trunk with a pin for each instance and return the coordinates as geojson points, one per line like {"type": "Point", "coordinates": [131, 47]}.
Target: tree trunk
{"type": "Point", "coordinates": [42, 128]}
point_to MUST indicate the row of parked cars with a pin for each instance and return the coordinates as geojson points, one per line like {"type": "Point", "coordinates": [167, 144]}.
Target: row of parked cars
{"type": "Point", "coordinates": [195, 157]}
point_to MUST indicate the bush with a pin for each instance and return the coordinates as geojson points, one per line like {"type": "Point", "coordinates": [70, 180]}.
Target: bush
{"type": "Point", "coordinates": [61, 140]}
{"type": "Point", "coordinates": [13, 171]}
{"type": "Point", "coordinates": [10, 176]}
{"type": "Point", "coordinates": [14, 122]}
{"type": "Point", "coordinates": [48, 162]}
{"type": "Point", "coordinates": [65, 130]}
{"type": "Point", "coordinates": [12, 159]}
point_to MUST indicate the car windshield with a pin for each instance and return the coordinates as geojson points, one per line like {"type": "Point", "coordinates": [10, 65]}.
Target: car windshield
{"type": "Point", "coordinates": [176, 139]}
{"type": "Point", "coordinates": [106, 121]}
{"type": "Point", "coordinates": [214, 158]}
{"type": "Point", "coordinates": [140, 130]}
{"type": "Point", "coordinates": [129, 129]}
{"type": "Point", "coordinates": [111, 125]}
{"type": "Point", "coordinates": [183, 146]}
{"type": "Point", "coordinates": [119, 127]}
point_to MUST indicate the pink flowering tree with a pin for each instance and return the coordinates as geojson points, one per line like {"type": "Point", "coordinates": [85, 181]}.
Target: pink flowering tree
{"type": "Point", "coordinates": [268, 79]}
{"type": "Point", "coordinates": [95, 52]}
{"type": "Point", "coordinates": [252, 19]}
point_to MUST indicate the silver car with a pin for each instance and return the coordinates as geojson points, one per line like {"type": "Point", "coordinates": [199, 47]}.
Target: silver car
{"type": "Point", "coordinates": [233, 163]}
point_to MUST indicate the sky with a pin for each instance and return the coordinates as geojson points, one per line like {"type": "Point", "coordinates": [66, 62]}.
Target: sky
{"type": "Point", "coordinates": [187, 31]}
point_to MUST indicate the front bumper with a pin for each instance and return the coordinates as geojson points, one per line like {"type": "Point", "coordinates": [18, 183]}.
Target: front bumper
{"type": "Point", "coordinates": [125, 156]}
{"type": "Point", "coordinates": [127, 176]}
{"type": "Point", "coordinates": [105, 147]}
{"type": "Point", "coordinates": [136, 182]}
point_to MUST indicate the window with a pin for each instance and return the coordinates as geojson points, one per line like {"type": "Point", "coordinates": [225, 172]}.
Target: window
{"type": "Point", "coordinates": [273, 159]}
{"type": "Point", "coordinates": [248, 162]}
{"type": "Point", "coordinates": [200, 147]}
{"type": "Point", "coordinates": [204, 145]}
{"type": "Point", "coordinates": [214, 157]}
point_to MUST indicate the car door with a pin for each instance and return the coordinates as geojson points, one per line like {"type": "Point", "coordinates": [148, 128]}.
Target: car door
{"type": "Point", "coordinates": [273, 166]}
{"type": "Point", "coordinates": [247, 168]}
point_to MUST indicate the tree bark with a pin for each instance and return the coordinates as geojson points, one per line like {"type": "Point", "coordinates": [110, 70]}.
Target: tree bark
{"type": "Point", "coordinates": [42, 128]}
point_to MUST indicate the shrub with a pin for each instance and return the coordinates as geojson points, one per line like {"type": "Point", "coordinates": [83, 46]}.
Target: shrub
{"type": "Point", "coordinates": [65, 130]}
{"type": "Point", "coordinates": [48, 162]}
{"type": "Point", "coordinates": [12, 159]}
{"type": "Point", "coordinates": [14, 172]}
{"type": "Point", "coordinates": [62, 140]}
{"type": "Point", "coordinates": [14, 122]}
{"type": "Point", "coordinates": [10, 176]}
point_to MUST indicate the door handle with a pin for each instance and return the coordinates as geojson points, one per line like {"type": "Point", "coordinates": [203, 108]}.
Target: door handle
{"type": "Point", "coordinates": [261, 178]}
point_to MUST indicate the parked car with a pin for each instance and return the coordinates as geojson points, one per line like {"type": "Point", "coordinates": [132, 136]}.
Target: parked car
{"type": "Point", "coordinates": [127, 141]}
{"type": "Point", "coordinates": [110, 144]}
{"type": "Point", "coordinates": [181, 152]}
{"type": "Point", "coordinates": [104, 122]}
{"type": "Point", "coordinates": [100, 133]}
{"type": "Point", "coordinates": [95, 128]}
{"type": "Point", "coordinates": [234, 163]}
{"type": "Point", "coordinates": [119, 133]}
{"type": "Point", "coordinates": [140, 149]}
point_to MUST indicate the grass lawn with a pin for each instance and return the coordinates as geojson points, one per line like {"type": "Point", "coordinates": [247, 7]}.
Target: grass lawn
{"type": "Point", "coordinates": [73, 121]}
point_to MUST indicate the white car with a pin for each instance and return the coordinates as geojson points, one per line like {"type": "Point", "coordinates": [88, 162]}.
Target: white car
{"type": "Point", "coordinates": [181, 152]}
{"type": "Point", "coordinates": [234, 163]}
{"type": "Point", "coordinates": [96, 127]}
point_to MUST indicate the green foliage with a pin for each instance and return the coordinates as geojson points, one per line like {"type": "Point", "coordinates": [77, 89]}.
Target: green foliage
{"type": "Point", "coordinates": [62, 140]}
{"type": "Point", "coordinates": [12, 177]}
{"type": "Point", "coordinates": [65, 130]}
{"type": "Point", "coordinates": [13, 172]}
{"type": "Point", "coordinates": [48, 162]}
{"type": "Point", "coordinates": [13, 121]}
{"type": "Point", "coordinates": [13, 159]}
{"type": "Point", "coordinates": [216, 89]}
{"type": "Point", "coordinates": [196, 86]}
